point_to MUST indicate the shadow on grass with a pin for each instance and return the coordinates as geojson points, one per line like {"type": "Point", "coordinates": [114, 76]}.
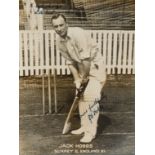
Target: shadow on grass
{"type": "Point", "coordinates": [103, 123]}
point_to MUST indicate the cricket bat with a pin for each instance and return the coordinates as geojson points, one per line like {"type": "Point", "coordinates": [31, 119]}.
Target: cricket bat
{"type": "Point", "coordinates": [67, 124]}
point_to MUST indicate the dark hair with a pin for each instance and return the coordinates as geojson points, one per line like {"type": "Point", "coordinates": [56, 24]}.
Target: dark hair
{"type": "Point", "coordinates": [57, 15]}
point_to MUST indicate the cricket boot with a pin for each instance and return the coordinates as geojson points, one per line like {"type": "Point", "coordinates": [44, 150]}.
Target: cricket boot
{"type": "Point", "coordinates": [78, 131]}
{"type": "Point", "coordinates": [87, 138]}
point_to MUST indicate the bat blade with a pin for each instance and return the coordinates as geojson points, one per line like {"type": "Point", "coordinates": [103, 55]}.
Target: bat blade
{"type": "Point", "coordinates": [66, 128]}
{"type": "Point", "coordinates": [67, 124]}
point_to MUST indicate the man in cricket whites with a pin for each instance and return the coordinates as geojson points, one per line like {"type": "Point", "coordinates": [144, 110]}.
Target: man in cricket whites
{"type": "Point", "coordinates": [84, 61]}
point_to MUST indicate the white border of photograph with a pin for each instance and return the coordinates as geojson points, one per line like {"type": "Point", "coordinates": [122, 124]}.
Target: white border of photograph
{"type": "Point", "coordinates": [145, 77]}
{"type": "Point", "coordinates": [9, 90]}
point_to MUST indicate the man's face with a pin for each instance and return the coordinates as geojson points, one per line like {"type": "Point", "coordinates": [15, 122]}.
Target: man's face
{"type": "Point", "coordinates": [60, 26]}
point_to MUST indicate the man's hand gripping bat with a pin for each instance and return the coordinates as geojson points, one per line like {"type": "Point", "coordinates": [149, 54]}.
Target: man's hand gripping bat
{"type": "Point", "coordinates": [80, 92]}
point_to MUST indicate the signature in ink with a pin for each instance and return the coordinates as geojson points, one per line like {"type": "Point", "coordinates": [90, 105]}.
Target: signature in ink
{"type": "Point", "coordinates": [92, 110]}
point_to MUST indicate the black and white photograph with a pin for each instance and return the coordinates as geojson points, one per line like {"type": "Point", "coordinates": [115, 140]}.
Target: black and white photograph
{"type": "Point", "coordinates": [77, 77]}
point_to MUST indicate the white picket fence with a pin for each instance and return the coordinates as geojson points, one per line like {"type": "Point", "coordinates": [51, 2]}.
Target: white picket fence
{"type": "Point", "coordinates": [39, 54]}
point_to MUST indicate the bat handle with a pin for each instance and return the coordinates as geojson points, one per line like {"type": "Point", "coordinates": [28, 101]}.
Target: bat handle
{"type": "Point", "coordinates": [82, 88]}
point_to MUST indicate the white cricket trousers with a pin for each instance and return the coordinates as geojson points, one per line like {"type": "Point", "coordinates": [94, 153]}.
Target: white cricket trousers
{"type": "Point", "coordinates": [89, 106]}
